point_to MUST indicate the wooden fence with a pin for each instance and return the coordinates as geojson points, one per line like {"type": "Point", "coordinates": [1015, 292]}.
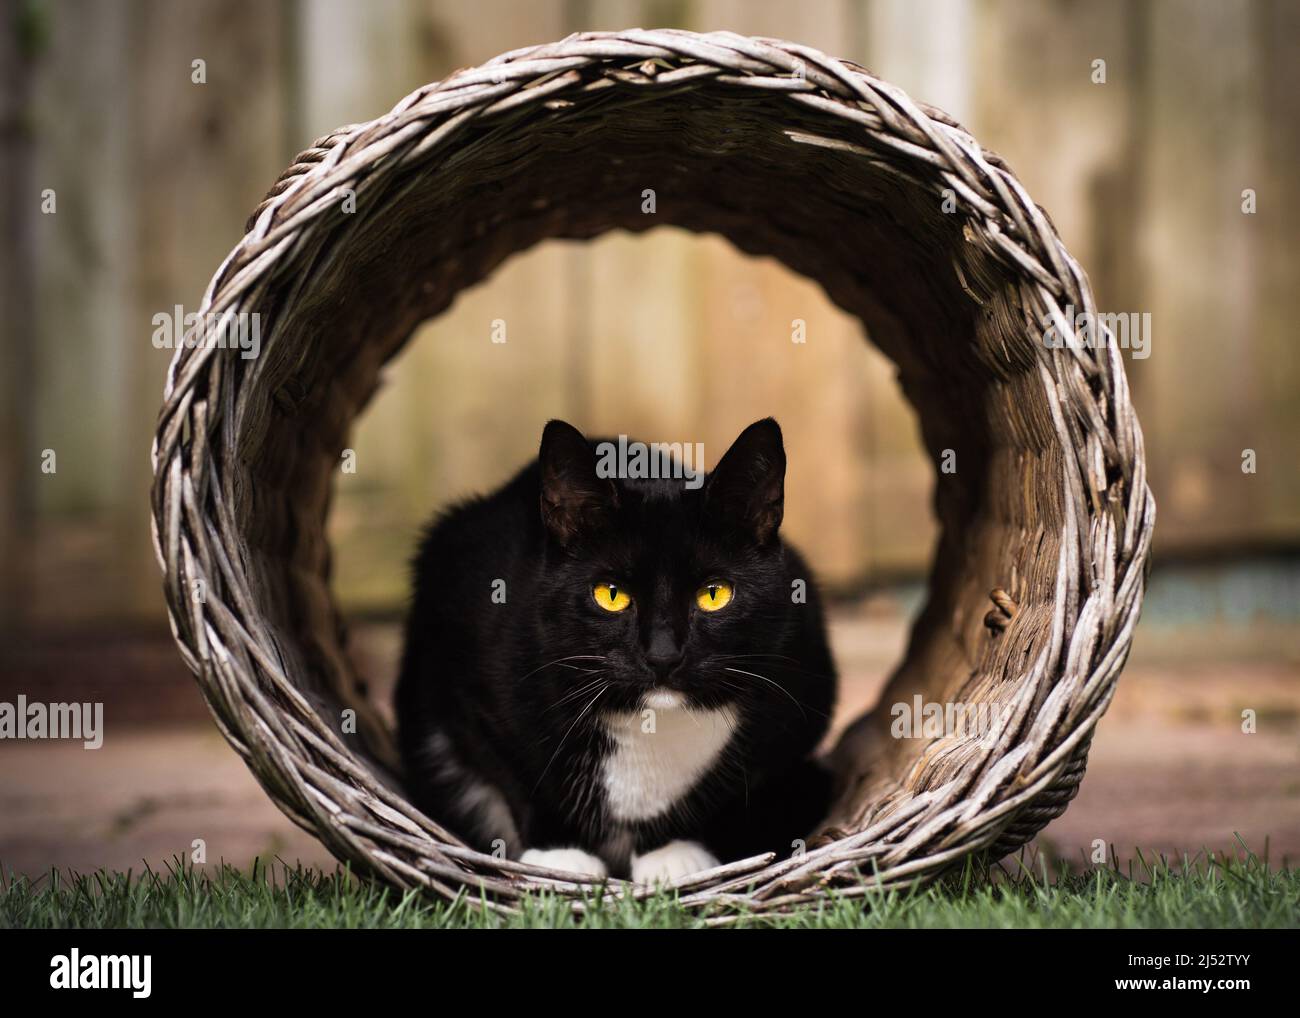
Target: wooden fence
{"type": "Point", "coordinates": [1145, 161]}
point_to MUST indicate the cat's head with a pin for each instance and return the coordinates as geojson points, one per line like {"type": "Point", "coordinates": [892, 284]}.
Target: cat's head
{"type": "Point", "coordinates": [664, 592]}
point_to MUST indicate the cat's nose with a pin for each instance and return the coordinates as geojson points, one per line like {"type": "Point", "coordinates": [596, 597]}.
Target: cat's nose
{"type": "Point", "coordinates": [664, 653]}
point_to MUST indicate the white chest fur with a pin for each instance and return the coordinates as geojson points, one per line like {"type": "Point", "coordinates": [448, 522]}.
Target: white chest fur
{"type": "Point", "coordinates": [659, 754]}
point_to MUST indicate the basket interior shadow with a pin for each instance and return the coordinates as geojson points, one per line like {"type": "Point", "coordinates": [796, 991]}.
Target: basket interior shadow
{"type": "Point", "coordinates": [905, 222]}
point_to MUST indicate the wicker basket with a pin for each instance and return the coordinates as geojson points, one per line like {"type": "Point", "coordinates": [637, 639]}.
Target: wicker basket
{"type": "Point", "coordinates": [905, 221]}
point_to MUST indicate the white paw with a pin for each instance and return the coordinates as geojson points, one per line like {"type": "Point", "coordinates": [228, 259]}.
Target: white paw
{"type": "Point", "coordinates": [669, 864]}
{"type": "Point", "coordinates": [570, 860]}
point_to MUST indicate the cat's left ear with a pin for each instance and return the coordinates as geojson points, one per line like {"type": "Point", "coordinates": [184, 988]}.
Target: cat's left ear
{"type": "Point", "coordinates": [574, 496]}
{"type": "Point", "coordinates": [747, 488]}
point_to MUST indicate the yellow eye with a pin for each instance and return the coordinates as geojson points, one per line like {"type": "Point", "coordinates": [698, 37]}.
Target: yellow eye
{"type": "Point", "coordinates": [611, 596]}
{"type": "Point", "coordinates": [713, 596]}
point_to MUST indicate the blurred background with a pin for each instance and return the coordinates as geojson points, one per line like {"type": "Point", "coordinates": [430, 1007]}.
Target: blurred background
{"type": "Point", "coordinates": [1170, 170]}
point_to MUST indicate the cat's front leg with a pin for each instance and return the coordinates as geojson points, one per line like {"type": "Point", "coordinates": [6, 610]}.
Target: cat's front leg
{"type": "Point", "coordinates": [570, 860]}
{"type": "Point", "coordinates": [671, 862]}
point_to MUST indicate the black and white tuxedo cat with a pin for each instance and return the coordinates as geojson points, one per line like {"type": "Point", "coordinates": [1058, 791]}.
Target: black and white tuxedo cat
{"type": "Point", "coordinates": [618, 676]}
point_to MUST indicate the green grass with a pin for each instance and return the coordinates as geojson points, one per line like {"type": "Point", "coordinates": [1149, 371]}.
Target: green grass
{"type": "Point", "coordinates": [1199, 892]}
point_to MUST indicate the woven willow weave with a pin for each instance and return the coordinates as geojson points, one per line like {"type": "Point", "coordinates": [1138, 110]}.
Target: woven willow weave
{"type": "Point", "coordinates": [786, 152]}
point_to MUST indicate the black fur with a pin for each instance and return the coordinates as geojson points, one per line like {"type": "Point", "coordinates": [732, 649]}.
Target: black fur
{"type": "Point", "coordinates": [513, 693]}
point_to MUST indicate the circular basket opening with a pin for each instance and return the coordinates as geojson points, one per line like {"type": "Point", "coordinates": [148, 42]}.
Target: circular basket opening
{"type": "Point", "coordinates": [906, 223]}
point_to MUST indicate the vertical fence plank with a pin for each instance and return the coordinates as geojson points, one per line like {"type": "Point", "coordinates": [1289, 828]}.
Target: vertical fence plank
{"type": "Point", "coordinates": [642, 338]}
{"type": "Point", "coordinates": [201, 157]}
{"type": "Point", "coordinates": [81, 254]}
{"type": "Point", "coordinates": [1205, 376]}
{"type": "Point", "coordinates": [458, 412]}
{"type": "Point", "coordinates": [21, 44]}
{"type": "Point", "coordinates": [1274, 425]}
{"type": "Point", "coordinates": [820, 389]}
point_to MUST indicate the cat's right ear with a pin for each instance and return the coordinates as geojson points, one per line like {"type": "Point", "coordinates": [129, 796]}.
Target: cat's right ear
{"type": "Point", "coordinates": [574, 497]}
